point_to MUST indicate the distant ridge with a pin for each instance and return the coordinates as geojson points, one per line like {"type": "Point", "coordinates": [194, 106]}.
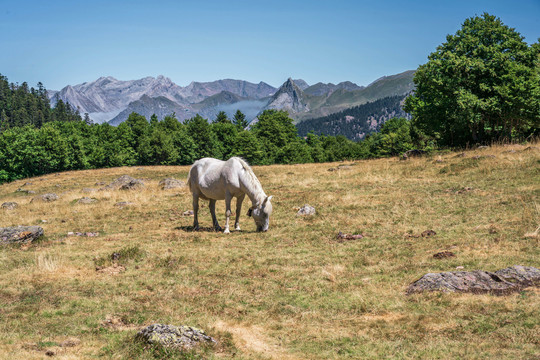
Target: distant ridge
{"type": "Point", "coordinates": [112, 100]}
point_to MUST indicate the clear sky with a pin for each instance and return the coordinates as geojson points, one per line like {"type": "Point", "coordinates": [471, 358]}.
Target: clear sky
{"type": "Point", "coordinates": [70, 42]}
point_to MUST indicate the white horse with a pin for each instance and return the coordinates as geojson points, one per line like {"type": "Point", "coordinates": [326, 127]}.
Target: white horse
{"type": "Point", "coordinates": [213, 179]}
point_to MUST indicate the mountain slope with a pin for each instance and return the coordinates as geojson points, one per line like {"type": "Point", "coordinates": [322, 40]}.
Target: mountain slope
{"type": "Point", "coordinates": [147, 106]}
{"type": "Point", "coordinates": [355, 122]}
{"type": "Point", "coordinates": [289, 97]}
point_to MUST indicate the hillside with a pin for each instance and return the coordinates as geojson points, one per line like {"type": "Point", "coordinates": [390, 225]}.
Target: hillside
{"type": "Point", "coordinates": [295, 292]}
{"type": "Point", "coordinates": [355, 123]}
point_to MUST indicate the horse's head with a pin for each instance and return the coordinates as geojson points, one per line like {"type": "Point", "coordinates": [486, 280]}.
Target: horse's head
{"type": "Point", "coordinates": [261, 214]}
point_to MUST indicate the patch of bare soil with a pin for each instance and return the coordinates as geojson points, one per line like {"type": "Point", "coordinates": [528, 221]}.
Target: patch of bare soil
{"type": "Point", "coordinates": [251, 339]}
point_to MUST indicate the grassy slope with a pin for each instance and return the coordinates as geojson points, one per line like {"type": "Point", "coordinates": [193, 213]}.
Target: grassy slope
{"type": "Point", "coordinates": [340, 99]}
{"type": "Point", "coordinates": [293, 292]}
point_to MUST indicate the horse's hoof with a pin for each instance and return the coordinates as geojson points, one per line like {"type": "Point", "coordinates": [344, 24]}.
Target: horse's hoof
{"type": "Point", "coordinates": [227, 231]}
{"type": "Point", "coordinates": [238, 228]}
{"type": "Point", "coordinates": [196, 228]}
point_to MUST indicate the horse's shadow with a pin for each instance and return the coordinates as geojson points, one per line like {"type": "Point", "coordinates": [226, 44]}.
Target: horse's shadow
{"type": "Point", "coordinates": [204, 229]}
{"type": "Point", "coordinates": [191, 229]}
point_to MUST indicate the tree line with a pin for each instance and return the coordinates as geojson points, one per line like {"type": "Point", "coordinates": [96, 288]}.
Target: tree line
{"type": "Point", "coordinates": [482, 85]}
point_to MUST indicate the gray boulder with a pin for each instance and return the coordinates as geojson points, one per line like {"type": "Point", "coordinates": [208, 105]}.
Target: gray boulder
{"type": "Point", "coordinates": [20, 234]}
{"type": "Point", "coordinates": [171, 183]}
{"type": "Point", "coordinates": [125, 182]}
{"type": "Point", "coordinates": [306, 210]}
{"type": "Point", "coordinates": [179, 337]}
{"type": "Point", "coordinates": [45, 198]}
{"type": "Point", "coordinates": [10, 205]}
{"type": "Point", "coordinates": [501, 282]}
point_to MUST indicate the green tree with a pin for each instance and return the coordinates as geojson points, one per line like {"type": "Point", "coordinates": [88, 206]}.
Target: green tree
{"type": "Point", "coordinates": [206, 142]}
{"type": "Point", "coordinates": [275, 130]}
{"type": "Point", "coordinates": [221, 118]}
{"type": "Point", "coordinates": [480, 85]}
{"type": "Point", "coordinates": [239, 120]}
{"type": "Point", "coordinates": [247, 146]}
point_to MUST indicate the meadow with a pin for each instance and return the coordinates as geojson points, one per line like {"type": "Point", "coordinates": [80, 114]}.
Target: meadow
{"type": "Point", "coordinates": [294, 292]}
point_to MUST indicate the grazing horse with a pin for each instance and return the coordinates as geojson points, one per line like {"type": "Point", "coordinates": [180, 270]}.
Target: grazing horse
{"type": "Point", "coordinates": [213, 179]}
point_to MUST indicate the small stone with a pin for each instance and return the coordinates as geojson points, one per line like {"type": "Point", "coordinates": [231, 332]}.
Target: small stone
{"type": "Point", "coordinates": [460, 267]}
{"type": "Point", "coordinates": [179, 337]}
{"type": "Point", "coordinates": [188, 213]}
{"type": "Point", "coordinates": [10, 205]}
{"type": "Point", "coordinates": [428, 233]}
{"type": "Point", "coordinates": [306, 210]}
{"type": "Point", "coordinates": [444, 254]}
{"type": "Point", "coordinates": [50, 353]}
{"type": "Point", "coordinates": [342, 237]}
{"type": "Point", "coordinates": [124, 182]}
{"type": "Point", "coordinates": [171, 183]}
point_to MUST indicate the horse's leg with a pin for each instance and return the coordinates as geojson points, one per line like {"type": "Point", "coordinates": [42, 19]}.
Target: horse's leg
{"type": "Point", "coordinates": [195, 212]}
{"type": "Point", "coordinates": [239, 201]}
{"type": "Point", "coordinates": [228, 198]}
{"type": "Point", "coordinates": [212, 206]}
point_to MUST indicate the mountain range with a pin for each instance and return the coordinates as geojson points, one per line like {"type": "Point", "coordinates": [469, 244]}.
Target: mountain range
{"type": "Point", "coordinates": [110, 100]}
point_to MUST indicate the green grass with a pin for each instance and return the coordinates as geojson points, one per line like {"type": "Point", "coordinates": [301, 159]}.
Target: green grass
{"type": "Point", "coordinates": [294, 292]}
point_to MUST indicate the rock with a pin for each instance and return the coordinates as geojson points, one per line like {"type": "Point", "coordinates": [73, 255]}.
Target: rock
{"type": "Point", "coordinates": [50, 353]}
{"type": "Point", "coordinates": [87, 200]}
{"type": "Point", "coordinates": [483, 147]}
{"type": "Point", "coordinates": [124, 182]}
{"type": "Point", "coordinates": [332, 169]}
{"type": "Point", "coordinates": [188, 213]}
{"type": "Point", "coordinates": [428, 233]}
{"type": "Point", "coordinates": [306, 210]}
{"type": "Point", "coordinates": [10, 205]}
{"type": "Point", "coordinates": [342, 237]}
{"type": "Point", "coordinates": [20, 234]}
{"type": "Point", "coordinates": [444, 254]}
{"type": "Point", "coordinates": [45, 198]}
{"type": "Point", "coordinates": [501, 282]}
{"type": "Point", "coordinates": [178, 337]}
{"type": "Point", "coordinates": [171, 183]}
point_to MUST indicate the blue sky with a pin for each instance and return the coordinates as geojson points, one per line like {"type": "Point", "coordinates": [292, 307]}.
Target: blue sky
{"type": "Point", "coordinates": [70, 42]}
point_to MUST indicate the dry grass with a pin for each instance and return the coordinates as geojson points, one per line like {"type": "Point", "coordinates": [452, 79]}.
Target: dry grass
{"type": "Point", "coordinates": [294, 292]}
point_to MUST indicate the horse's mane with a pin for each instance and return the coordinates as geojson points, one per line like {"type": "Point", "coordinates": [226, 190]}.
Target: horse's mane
{"type": "Point", "coordinates": [251, 177]}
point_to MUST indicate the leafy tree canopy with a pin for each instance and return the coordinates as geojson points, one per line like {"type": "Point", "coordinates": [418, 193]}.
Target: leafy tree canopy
{"type": "Point", "coordinates": [482, 84]}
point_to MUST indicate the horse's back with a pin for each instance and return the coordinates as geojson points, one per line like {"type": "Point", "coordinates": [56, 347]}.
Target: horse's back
{"type": "Point", "coordinates": [211, 177]}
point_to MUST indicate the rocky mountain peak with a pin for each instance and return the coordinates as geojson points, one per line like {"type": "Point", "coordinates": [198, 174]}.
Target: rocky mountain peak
{"type": "Point", "coordinates": [289, 97]}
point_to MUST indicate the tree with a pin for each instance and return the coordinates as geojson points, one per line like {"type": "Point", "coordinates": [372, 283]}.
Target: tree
{"type": "Point", "coordinates": [482, 84]}
{"type": "Point", "coordinates": [221, 118]}
{"type": "Point", "coordinates": [205, 139]}
{"type": "Point", "coordinates": [274, 130]}
{"type": "Point", "coordinates": [239, 120]}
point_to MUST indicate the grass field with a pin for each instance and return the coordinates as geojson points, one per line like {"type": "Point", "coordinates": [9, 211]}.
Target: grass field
{"type": "Point", "coordinates": [294, 292]}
